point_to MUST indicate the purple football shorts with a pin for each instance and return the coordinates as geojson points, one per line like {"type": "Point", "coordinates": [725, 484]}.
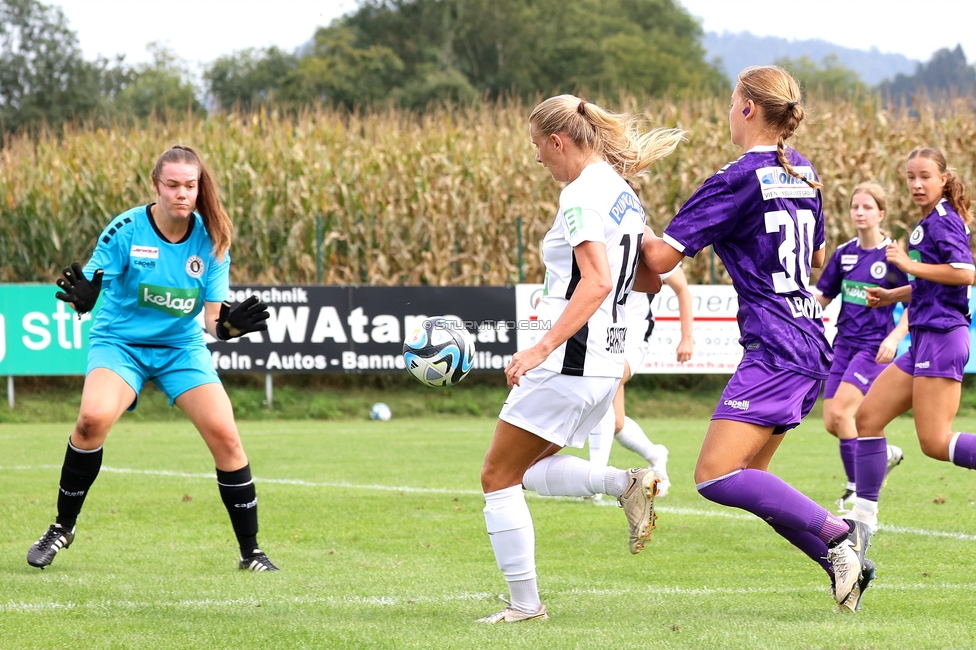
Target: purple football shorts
{"type": "Point", "coordinates": [759, 393]}
{"type": "Point", "coordinates": [936, 354]}
{"type": "Point", "coordinates": [856, 366]}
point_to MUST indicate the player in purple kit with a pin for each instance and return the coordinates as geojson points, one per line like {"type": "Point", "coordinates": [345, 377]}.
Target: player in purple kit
{"type": "Point", "coordinates": [867, 339]}
{"type": "Point", "coordinates": [764, 218]}
{"type": "Point", "coordinates": [927, 378]}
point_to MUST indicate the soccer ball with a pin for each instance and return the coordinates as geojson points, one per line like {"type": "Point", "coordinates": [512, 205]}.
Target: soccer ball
{"type": "Point", "coordinates": [439, 353]}
{"type": "Point", "coordinates": [380, 411]}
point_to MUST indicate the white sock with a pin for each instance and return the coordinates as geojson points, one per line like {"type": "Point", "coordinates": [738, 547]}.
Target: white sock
{"type": "Point", "coordinates": [891, 453]}
{"type": "Point", "coordinates": [852, 486]}
{"type": "Point", "coordinates": [870, 507]}
{"type": "Point", "coordinates": [565, 476]}
{"type": "Point", "coordinates": [632, 437]}
{"type": "Point", "coordinates": [512, 538]}
{"type": "Point", "coordinates": [524, 595]}
{"type": "Point", "coordinates": [601, 439]}
{"type": "Point", "coordinates": [952, 447]}
{"type": "Point", "coordinates": [615, 481]}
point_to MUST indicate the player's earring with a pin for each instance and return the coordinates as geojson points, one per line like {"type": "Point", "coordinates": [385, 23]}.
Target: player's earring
{"type": "Point", "coordinates": [745, 111]}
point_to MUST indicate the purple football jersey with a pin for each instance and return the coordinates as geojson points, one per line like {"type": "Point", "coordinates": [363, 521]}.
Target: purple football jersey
{"type": "Point", "coordinates": [765, 225]}
{"type": "Point", "coordinates": [849, 273]}
{"type": "Point", "coordinates": [942, 237]}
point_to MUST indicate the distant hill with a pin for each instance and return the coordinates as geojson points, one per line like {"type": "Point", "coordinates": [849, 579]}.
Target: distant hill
{"type": "Point", "coordinates": [740, 50]}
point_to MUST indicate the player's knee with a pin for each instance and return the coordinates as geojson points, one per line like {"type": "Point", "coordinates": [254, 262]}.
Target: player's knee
{"type": "Point", "coordinates": [489, 476]}
{"type": "Point", "coordinates": [936, 447]}
{"type": "Point", "coordinates": [495, 476]}
{"type": "Point", "coordinates": [865, 422]}
{"type": "Point", "coordinates": [705, 472]}
{"type": "Point", "coordinates": [830, 423]}
{"type": "Point", "coordinates": [93, 425]}
{"type": "Point", "coordinates": [224, 440]}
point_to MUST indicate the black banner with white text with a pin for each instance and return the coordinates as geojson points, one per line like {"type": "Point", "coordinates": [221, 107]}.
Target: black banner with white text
{"type": "Point", "coordinates": [360, 329]}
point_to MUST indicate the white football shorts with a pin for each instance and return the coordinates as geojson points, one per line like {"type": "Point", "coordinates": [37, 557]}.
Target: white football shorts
{"type": "Point", "coordinates": [559, 408]}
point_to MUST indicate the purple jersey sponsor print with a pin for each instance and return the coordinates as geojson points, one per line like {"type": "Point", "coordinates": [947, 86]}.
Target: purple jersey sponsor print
{"type": "Point", "coordinates": [765, 225]}
{"type": "Point", "coordinates": [849, 273]}
{"type": "Point", "coordinates": [942, 237]}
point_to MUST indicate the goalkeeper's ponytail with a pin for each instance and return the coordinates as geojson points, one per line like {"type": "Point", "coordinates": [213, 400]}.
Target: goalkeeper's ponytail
{"type": "Point", "coordinates": [215, 218]}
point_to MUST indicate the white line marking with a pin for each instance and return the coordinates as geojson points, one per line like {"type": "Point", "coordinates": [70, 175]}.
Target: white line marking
{"type": "Point", "coordinates": [652, 591]}
{"type": "Point", "coordinates": [690, 512]}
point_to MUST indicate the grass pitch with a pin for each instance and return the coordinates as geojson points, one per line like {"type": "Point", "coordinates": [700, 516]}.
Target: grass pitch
{"type": "Point", "coordinates": [379, 532]}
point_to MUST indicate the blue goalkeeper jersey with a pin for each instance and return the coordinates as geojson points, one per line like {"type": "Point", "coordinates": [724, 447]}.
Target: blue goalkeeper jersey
{"type": "Point", "coordinates": [153, 289]}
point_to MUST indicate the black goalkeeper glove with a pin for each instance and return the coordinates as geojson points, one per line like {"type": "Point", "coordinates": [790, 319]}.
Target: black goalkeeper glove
{"type": "Point", "coordinates": [249, 316]}
{"type": "Point", "coordinates": [77, 289]}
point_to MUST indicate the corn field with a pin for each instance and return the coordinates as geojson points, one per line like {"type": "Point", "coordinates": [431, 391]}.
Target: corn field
{"type": "Point", "coordinates": [419, 199]}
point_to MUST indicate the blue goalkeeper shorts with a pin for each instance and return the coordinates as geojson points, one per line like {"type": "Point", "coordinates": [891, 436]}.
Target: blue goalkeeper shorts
{"type": "Point", "coordinates": [173, 370]}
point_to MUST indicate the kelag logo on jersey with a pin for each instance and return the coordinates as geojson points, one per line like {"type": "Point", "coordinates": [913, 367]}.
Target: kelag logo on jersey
{"type": "Point", "coordinates": [169, 300]}
{"type": "Point", "coordinates": [626, 201]}
{"type": "Point", "coordinates": [777, 184]}
{"type": "Point", "coordinates": [856, 292]}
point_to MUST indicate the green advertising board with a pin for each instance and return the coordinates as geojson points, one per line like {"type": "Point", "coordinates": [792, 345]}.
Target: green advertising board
{"type": "Point", "coordinates": [39, 334]}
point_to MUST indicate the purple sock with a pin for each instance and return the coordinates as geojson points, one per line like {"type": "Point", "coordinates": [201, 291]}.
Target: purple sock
{"type": "Point", "coordinates": [813, 546]}
{"type": "Point", "coordinates": [847, 455]}
{"type": "Point", "coordinates": [872, 463]}
{"type": "Point", "coordinates": [962, 450]}
{"type": "Point", "coordinates": [774, 501]}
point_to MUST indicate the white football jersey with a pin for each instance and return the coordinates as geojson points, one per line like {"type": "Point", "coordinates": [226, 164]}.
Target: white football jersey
{"type": "Point", "coordinates": [598, 206]}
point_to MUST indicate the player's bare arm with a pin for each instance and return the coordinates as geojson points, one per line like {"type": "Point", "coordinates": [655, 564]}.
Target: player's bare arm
{"type": "Point", "coordinates": [941, 273]}
{"type": "Point", "coordinates": [646, 280]}
{"type": "Point", "coordinates": [889, 346]}
{"type": "Point", "coordinates": [679, 284]}
{"type": "Point", "coordinates": [658, 255]}
{"type": "Point", "coordinates": [817, 260]}
{"type": "Point", "coordinates": [881, 297]}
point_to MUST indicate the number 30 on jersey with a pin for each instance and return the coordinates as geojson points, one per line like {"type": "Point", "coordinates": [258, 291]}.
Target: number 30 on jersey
{"type": "Point", "coordinates": [796, 264]}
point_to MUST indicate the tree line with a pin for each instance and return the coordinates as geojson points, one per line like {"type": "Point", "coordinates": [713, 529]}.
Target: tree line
{"type": "Point", "coordinates": [407, 54]}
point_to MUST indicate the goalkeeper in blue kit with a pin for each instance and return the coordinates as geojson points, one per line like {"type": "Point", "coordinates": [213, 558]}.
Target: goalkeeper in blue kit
{"type": "Point", "coordinates": [156, 267]}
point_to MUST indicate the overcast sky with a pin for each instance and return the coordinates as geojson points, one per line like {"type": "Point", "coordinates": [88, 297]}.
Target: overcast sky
{"type": "Point", "coordinates": [199, 31]}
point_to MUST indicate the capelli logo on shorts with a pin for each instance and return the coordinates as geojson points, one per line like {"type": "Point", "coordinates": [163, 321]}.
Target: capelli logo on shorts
{"type": "Point", "coordinates": [922, 364]}
{"type": "Point", "coordinates": [738, 404]}
{"type": "Point", "coordinates": [861, 378]}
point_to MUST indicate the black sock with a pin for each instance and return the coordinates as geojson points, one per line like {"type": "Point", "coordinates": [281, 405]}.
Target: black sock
{"type": "Point", "coordinates": [237, 492]}
{"type": "Point", "coordinates": [77, 475]}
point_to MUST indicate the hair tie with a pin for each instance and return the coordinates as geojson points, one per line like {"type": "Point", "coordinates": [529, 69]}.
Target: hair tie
{"type": "Point", "coordinates": [790, 106]}
{"type": "Point", "coordinates": [579, 109]}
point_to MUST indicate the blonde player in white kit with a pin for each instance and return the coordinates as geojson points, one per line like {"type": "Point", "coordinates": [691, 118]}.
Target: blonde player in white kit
{"type": "Point", "coordinates": [562, 385]}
